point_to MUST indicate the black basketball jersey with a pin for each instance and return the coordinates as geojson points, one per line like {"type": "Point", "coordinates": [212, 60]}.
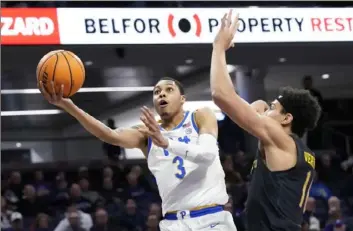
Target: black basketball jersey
{"type": "Point", "coordinates": [276, 200]}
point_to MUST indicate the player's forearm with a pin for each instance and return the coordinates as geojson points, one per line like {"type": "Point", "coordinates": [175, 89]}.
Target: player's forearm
{"type": "Point", "coordinates": [202, 153]}
{"type": "Point", "coordinates": [92, 125]}
{"type": "Point", "coordinates": [221, 83]}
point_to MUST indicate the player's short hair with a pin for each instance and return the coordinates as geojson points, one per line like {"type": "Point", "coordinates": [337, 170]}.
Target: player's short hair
{"type": "Point", "coordinates": [303, 106]}
{"type": "Point", "coordinates": [177, 83]}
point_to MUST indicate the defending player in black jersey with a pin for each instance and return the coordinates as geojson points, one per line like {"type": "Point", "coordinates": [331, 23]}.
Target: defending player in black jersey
{"type": "Point", "coordinates": [284, 166]}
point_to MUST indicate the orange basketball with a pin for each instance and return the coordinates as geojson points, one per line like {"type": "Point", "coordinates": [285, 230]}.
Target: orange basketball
{"type": "Point", "coordinates": [63, 68]}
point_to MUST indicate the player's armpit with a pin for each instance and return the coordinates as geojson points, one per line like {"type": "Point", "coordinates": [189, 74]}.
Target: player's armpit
{"type": "Point", "coordinates": [206, 121]}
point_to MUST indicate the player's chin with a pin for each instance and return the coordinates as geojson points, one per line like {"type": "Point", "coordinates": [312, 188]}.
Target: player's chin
{"type": "Point", "coordinates": [164, 115]}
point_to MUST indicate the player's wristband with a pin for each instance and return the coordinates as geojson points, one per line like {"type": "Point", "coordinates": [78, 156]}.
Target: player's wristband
{"type": "Point", "coordinates": [178, 148]}
{"type": "Point", "coordinates": [203, 152]}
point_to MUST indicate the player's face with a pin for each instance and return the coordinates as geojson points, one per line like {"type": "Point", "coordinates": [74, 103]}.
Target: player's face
{"type": "Point", "coordinates": [167, 99]}
{"type": "Point", "coordinates": [275, 111]}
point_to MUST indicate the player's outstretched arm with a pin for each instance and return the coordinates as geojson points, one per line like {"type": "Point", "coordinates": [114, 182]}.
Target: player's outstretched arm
{"type": "Point", "coordinates": [223, 93]}
{"type": "Point", "coordinates": [126, 138]}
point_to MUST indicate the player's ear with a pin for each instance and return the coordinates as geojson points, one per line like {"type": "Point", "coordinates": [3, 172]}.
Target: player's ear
{"type": "Point", "coordinates": [183, 99]}
{"type": "Point", "coordinates": [288, 118]}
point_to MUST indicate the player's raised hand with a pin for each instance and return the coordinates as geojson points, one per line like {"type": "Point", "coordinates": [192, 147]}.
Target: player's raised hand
{"type": "Point", "coordinates": [55, 98]}
{"type": "Point", "coordinates": [152, 128]}
{"type": "Point", "coordinates": [225, 36]}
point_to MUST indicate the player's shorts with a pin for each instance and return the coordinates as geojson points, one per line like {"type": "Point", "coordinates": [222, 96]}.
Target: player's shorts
{"type": "Point", "coordinates": [211, 218]}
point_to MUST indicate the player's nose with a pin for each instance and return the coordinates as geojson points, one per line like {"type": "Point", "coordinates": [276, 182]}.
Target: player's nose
{"type": "Point", "coordinates": [162, 94]}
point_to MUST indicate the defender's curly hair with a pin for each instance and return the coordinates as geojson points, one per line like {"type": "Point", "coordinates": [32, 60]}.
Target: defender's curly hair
{"type": "Point", "coordinates": [304, 108]}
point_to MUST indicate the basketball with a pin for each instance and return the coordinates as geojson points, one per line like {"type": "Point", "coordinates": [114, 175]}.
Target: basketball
{"type": "Point", "coordinates": [63, 68]}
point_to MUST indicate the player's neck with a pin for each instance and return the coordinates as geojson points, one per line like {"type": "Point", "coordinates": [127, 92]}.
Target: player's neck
{"type": "Point", "coordinates": [173, 121]}
{"type": "Point", "coordinates": [288, 130]}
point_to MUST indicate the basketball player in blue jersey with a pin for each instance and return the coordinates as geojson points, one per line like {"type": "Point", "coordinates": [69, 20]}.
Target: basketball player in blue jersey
{"type": "Point", "coordinates": [181, 151]}
{"type": "Point", "coordinates": [284, 166]}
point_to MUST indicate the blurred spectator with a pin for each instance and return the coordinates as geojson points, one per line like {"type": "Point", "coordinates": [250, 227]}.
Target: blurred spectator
{"type": "Point", "coordinates": [108, 191]}
{"type": "Point", "coordinates": [152, 223]}
{"type": "Point", "coordinates": [242, 164]}
{"type": "Point", "coordinates": [5, 215]}
{"type": "Point", "coordinates": [81, 202]}
{"type": "Point", "coordinates": [102, 221]}
{"type": "Point", "coordinates": [15, 187]}
{"type": "Point", "coordinates": [75, 220]}
{"type": "Point", "coordinates": [40, 185]}
{"type": "Point", "coordinates": [108, 172]}
{"type": "Point", "coordinates": [90, 195]}
{"type": "Point", "coordinates": [314, 224]}
{"type": "Point", "coordinates": [141, 178]}
{"type": "Point", "coordinates": [337, 225]}
{"type": "Point", "coordinates": [232, 176]}
{"type": "Point", "coordinates": [131, 219]}
{"type": "Point", "coordinates": [155, 209]}
{"type": "Point", "coordinates": [41, 223]}
{"type": "Point", "coordinates": [345, 165]}
{"type": "Point", "coordinates": [60, 176]}
{"type": "Point", "coordinates": [113, 152]}
{"type": "Point", "coordinates": [134, 189]}
{"type": "Point", "coordinates": [83, 172]}
{"type": "Point", "coordinates": [31, 204]}
{"type": "Point", "coordinates": [309, 215]}
{"type": "Point", "coordinates": [336, 219]}
{"type": "Point", "coordinates": [319, 190]}
{"type": "Point", "coordinates": [60, 195]}
{"type": "Point", "coordinates": [16, 222]}
{"type": "Point", "coordinates": [305, 226]}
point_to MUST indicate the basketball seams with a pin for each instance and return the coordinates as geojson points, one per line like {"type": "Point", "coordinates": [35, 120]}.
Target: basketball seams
{"type": "Point", "coordinates": [79, 63]}
{"type": "Point", "coordinates": [56, 63]}
{"type": "Point", "coordinates": [68, 64]}
{"type": "Point", "coordinates": [41, 69]}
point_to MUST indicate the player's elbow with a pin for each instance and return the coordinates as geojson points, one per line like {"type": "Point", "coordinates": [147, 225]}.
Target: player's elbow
{"type": "Point", "coordinates": [110, 136]}
{"type": "Point", "coordinates": [218, 97]}
{"type": "Point", "coordinates": [216, 94]}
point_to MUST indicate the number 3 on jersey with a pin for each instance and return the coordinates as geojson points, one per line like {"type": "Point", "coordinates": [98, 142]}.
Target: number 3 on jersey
{"type": "Point", "coordinates": [180, 165]}
{"type": "Point", "coordinates": [178, 160]}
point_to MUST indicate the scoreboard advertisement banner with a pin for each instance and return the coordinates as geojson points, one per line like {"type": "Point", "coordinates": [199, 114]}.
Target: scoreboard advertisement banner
{"type": "Point", "coordinates": [26, 26]}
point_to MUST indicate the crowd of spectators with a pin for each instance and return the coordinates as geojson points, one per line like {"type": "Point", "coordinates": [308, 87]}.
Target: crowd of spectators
{"type": "Point", "coordinates": [125, 197]}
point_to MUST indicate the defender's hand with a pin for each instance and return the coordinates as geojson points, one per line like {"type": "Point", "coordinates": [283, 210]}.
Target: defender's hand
{"type": "Point", "coordinates": [229, 26]}
{"type": "Point", "coordinates": [56, 98]}
{"type": "Point", "coordinates": [152, 128]}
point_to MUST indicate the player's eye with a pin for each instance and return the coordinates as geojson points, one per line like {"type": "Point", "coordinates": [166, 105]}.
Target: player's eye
{"type": "Point", "coordinates": [156, 92]}
{"type": "Point", "coordinates": [170, 89]}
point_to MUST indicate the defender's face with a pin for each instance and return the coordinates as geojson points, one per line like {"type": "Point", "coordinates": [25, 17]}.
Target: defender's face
{"type": "Point", "coordinates": [167, 99]}
{"type": "Point", "coordinates": [275, 112]}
